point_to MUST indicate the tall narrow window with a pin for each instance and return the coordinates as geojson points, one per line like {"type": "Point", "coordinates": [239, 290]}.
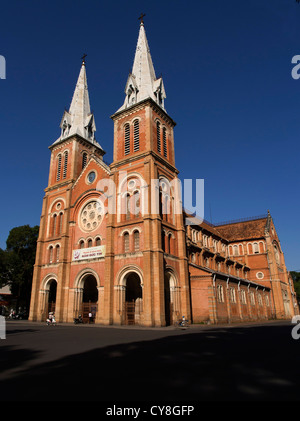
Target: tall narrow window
{"type": "Point", "coordinates": [84, 159]}
{"type": "Point", "coordinates": [136, 135]}
{"type": "Point", "coordinates": [136, 204]}
{"type": "Point", "coordinates": [127, 204]}
{"type": "Point", "coordinates": [126, 242]}
{"type": "Point", "coordinates": [54, 225]}
{"type": "Point", "coordinates": [57, 252]}
{"type": "Point", "coordinates": [170, 244]}
{"type": "Point", "coordinates": [60, 222]}
{"type": "Point", "coordinates": [165, 142]}
{"type": "Point", "coordinates": [136, 235]}
{"type": "Point", "coordinates": [158, 137]}
{"type": "Point", "coordinates": [90, 243]}
{"type": "Point", "coordinates": [50, 254]}
{"type": "Point", "coordinates": [127, 139]}
{"type": "Point", "coordinates": [58, 168]}
{"type": "Point", "coordinates": [98, 241]}
{"type": "Point", "coordinates": [65, 164]}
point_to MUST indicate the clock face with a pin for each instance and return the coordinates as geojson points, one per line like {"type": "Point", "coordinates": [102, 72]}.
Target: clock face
{"type": "Point", "coordinates": [91, 176]}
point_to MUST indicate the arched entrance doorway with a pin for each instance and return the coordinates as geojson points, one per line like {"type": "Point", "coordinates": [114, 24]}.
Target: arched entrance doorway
{"type": "Point", "coordinates": [133, 298]}
{"type": "Point", "coordinates": [89, 299]}
{"type": "Point", "coordinates": [172, 298]}
{"type": "Point", "coordinates": [52, 295]}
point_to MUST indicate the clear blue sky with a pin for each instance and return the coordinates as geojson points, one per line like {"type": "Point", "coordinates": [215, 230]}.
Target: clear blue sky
{"type": "Point", "coordinates": [227, 72]}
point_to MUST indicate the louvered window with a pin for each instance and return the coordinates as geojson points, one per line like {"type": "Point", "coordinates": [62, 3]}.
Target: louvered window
{"type": "Point", "coordinates": [65, 164]}
{"type": "Point", "coordinates": [127, 139]}
{"type": "Point", "coordinates": [158, 137]}
{"type": "Point", "coordinates": [165, 141]}
{"type": "Point", "coordinates": [136, 136]}
{"type": "Point", "coordinates": [58, 168]}
{"type": "Point", "coordinates": [84, 159]}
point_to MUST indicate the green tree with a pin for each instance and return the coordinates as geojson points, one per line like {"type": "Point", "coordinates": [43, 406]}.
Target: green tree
{"type": "Point", "coordinates": [16, 262]}
{"type": "Point", "coordinates": [296, 279]}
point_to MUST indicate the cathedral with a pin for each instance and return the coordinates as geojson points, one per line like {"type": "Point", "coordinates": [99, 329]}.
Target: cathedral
{"type": "Point", "coordinates": [115, 241]}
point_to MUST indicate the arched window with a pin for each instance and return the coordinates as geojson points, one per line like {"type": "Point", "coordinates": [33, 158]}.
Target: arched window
{"type": "Point", "coordinates": [165, 142]}
{"type": "Point", "coordinates": [54, 224]}
{"type": "Point", "coordinates": [126, 242]}
{"type": "Point", "coordinates": [255, 248]}
{"type": "Point", "coordinates": [158, 136]}
{"type": "Point", "coordinates": [235, 250]}
{"type": "Point", "coordinates": [170, 244]}
{"type": "Point", "coordinates": [50, 254]}
{"type": "Point", "coordinates": [136, 236]}
{"type": "Point", "coordinates": [84, 159]}
{"type": "Point", "coordinates": [127, 204]}
{"type": "Point", "coordinates": [220, 293]}
{"type": "Point", "coordinates": [136, 204]}
{"type": "Point", "coordinates": [90, 243]}
{"type": "Point", "coordinates": [60, 221]}
{"type": "Point", "coordinates": [58, 167]}
{"type": "Point", "coordinates": [57, 251]}
{"type": "Point", "coordinates": [243, 297]}
{"type": "Point", "coordinates": [127, 139]}
{"type": "Point", "coordinates": [136, 135]}
{"type": "Point", "coordinates": [277, 255]}
{"type": "Point", "coordinates": [65, 164]}
{"type": "Point", "coordinates": [98, 241]}
{"type": "Point", "coordinates": [81, 244]}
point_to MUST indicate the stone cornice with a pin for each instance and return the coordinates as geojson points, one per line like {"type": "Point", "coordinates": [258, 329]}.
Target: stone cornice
{"type": "Point", "coordinates": [141, 105]}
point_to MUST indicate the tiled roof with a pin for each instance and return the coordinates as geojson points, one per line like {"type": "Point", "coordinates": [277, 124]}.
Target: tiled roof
{"type": "Point", "coordinates": [243, 230]}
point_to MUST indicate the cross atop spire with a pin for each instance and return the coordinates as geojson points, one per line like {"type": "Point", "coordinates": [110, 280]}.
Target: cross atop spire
{"type": "Point", "coordinates": [142, 82]}
{"type": "Point", "coordinates": [141, 18]}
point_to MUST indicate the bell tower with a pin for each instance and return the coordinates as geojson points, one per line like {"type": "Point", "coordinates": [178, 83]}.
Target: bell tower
{"type": "Point", "coordinates": [147, 203]}
{"type": "Point", "coordinates": [70, 154]}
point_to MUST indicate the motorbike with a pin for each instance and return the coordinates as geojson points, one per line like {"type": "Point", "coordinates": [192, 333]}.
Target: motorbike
{"type": "Point", "coordinates": [78, 320]}
{"type": "Point", "coordinates": [51, 321]}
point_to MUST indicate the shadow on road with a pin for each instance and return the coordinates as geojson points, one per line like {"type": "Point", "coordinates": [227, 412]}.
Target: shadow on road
{"type": "Point", "coordinates": [255, 363]}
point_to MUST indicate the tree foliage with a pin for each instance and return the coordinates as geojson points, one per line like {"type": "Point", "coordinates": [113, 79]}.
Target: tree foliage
{"type": "Point", "coordinates": [296, 278]}
{"type": "Point", "coordinates": [16, 262]}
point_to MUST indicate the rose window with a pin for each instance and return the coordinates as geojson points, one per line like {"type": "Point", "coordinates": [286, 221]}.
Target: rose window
{"type": "Point", "coordinates": [91, 216]}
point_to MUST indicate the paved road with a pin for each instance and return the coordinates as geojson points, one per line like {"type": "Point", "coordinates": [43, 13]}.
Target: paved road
{"type": "Point", "coordinates": [245, 362]}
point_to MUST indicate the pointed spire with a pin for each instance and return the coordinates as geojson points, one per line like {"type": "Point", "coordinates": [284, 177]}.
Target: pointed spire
{"type": "Point", "coordinates": [80, 106]}
{"type": "Point", "coordinates": [79, 119]}
{"type": "Point", "coordinates": [142, 82]}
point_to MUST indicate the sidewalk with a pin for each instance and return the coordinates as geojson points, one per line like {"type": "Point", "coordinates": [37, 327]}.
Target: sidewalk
{"type": "Point", "coordinates": [193, 327]}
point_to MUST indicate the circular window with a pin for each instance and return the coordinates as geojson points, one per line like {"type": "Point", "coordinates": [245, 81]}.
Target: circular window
{"type": "Point", "coordinates": [91, 216]}
{"type": "Point", "coordinates": [260, 275]}
{"type": "Point", "coordinates": [91, 176]}
{"type": "Point", "coordinates": [131, 184]}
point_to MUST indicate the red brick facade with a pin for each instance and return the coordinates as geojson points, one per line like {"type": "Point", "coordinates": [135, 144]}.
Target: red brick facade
{"type": "Point", "coordinates": [107, 246]}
